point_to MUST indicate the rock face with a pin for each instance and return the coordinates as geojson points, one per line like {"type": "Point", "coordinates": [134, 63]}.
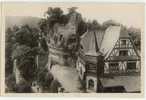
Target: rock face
{"type": "Point", "coordinates": [62, 35]}
{"type": "Point", "coordinates": [63, 32]}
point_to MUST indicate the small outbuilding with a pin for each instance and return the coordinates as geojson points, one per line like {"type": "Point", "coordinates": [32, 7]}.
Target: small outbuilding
{"type": "Point", "coordinates": [90, 63]}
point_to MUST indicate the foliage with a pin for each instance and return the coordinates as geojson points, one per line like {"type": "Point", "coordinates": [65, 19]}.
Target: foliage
{"type": "Point", "coordinates": [10, 83]}
{"type": "Point", "coordinates": [27, 36]}
{"type": "Point", "coordinates": [55, 15]}
{"type": "Point", "coordinates": [82, 27]}
{"type": "Point", "coordinates": [12, 87]}
{"type": "Point", "coordinates": [22, 44]}
{"type": "Point", "coordinates": [44, 78]}
{"type": "Point", "coordinates": [27, 68]}
{"type": "Point", "coordinates": [20, 51]}
{"type": "Point", "coordinates": [72, 10]}
{"type": "Point", "coordinates": [43, 26]}
{"type": "Point", "coordinates": [54, 86]}
{"type": "Point", "coordinates": [94, 25]}
{"type": "Point", "coordinates": [8, 51]}
{"type": "Point", "coordinates": [136, 36]}
{"type": "Point", "coordinates": [44, 44]}
{"type": "Point", "coordinates": [23, 87]}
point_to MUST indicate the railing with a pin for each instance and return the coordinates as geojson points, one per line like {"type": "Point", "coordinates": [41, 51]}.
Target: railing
{"type": "Point", "coordinates": [122, 72]}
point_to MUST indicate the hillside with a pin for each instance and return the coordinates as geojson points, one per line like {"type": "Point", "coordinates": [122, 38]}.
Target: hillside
{"type": "Point", "coordinates": [11, 21]}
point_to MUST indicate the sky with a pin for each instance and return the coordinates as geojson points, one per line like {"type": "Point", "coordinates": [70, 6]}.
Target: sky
{"type": "Point", "coordinates": [131, 15]}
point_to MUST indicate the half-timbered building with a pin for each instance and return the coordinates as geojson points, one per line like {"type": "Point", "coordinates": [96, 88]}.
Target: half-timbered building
{"type": "Point", "coordinates": [120, 54]}
{"type": "Point", "coordinates": [108, 59]}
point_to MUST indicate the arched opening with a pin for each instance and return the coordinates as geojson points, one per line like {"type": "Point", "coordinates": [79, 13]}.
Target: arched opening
{"type": "Point", "coordinates": [91, 84]}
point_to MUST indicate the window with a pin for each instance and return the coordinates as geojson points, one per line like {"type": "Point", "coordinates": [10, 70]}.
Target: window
{"type": "Point", "coordinates": [123, 43]}
{"type": "Point", "coordinates": [91, 84]}
{"type": "Point", "coordinates": [81, 46]}
{"type": "Point", "coordinates": [113, 67]}
{"type": "Point", "coordinates": [123, 53]}
{"type": "Point", "coordinates": [131, 65]}
{"type": "Point", "coordinates": [61, 36]}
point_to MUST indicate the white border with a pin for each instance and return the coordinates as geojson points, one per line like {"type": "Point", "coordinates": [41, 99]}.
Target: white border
{"type": "Point", "coordinates": [107, 1]}
{"type": "Point", "coordinates": [99, 1]}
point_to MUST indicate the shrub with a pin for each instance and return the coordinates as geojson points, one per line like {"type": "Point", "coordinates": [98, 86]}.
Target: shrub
{"type": "Point", "coordinates": [23, 87]}
{"type": "Point", "coordinates": [54, 86]}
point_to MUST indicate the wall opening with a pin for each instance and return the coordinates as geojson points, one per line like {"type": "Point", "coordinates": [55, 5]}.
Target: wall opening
{"type": "Point", "coordinates": [91, 84]}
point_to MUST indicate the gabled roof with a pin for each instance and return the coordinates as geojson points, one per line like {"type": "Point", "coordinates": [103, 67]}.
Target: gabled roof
{"type": "Point", "coordinates": [88, 41]}
{"type": "Point", "coordinates": [106, 40]}
{"type": "Point", "coordinates": [90, 58]}
{"type": "Point", "coordinates": [112, 34]}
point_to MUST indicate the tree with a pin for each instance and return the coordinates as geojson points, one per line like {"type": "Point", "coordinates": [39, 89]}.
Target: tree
{"type": "Point", "coordinates": [54, 16]}
{"type": "Point", "coordinates": [10, 83]}
{"type": "Point", "coordinates": [25, 61]}
{"type": "Point", "coordinates": [44, 78]}
{"type": "Point", "coordinates": [64, 19]}
{"type": "Point", "coordinates": [54, 12]}
{"type": "Point", "coordinates": [27, 36]}
{"type": "Point", "coordinates": [8, 48]}
{"type": "Point", "coordinates": [135, 33]}
{"type": "Point", "coordinates": [25, 50]}
{"type": "Point", "coordinates": [15, 28]}
{"type": "Point", "coordinates": [54, 86]}
{"type": "Point", "coordinates": [72, 10]}
{"type": "Point", "coordinates": [95, 25]}
{"type": "Point", "coordinates": [44, 44]}
{"type": "Point", "coordinates": [23, 87]}
{"type": "Point", "coordinates": [43, 26]}
{"type": "Point", "coordinates": [82, 27]}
